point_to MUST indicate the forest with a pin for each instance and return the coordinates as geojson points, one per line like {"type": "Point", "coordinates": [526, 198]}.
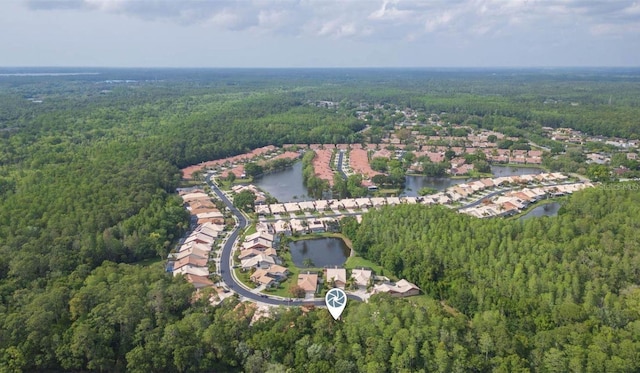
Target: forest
{"type": "Point", "coordinates": [88, 172]}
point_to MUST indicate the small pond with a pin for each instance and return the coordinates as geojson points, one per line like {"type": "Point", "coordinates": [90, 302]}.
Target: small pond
{"type": "Point", "coordinates": [500, 171]}
{"type": "Point", "coordinates": [323, 252]}
{"type": "Point", "coordinates": [285, 184]}
{"type": "Point", "coordinates": [549, 209]}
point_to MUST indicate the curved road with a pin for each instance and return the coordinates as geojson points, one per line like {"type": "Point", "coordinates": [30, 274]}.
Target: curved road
{"type": "Point", "coordinates": [225, 261]}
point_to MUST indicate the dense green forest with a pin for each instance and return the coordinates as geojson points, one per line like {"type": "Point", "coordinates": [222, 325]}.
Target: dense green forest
{"type": "Point", "coordinates": [87, 181]}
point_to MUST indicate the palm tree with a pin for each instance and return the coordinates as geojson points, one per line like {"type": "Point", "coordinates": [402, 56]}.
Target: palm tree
{"type": "Point", "coordinates": [307, 262]}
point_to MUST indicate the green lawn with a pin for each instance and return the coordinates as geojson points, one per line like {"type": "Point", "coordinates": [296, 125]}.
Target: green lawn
{"type": "Point", "coordinates": [357, 262]}
{"type": "Point", "coordinates": [244, 277]}
{"type": "Point", "coordinates": [251, 229]}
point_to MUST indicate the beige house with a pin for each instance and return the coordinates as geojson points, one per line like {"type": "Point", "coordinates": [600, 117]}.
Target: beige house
{"type": "Point", "coordinates": [336, 275]}
{"type": "Point", "coordinates": [402, 288]}
{"type": "Point", "coordinates": [309, 282]}
{"type": "Point", "coordinates": [362, 277]}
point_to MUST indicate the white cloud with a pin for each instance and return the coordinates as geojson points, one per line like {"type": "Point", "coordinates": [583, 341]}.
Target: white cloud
{"type": "Point", "coordinates": [388, 19]}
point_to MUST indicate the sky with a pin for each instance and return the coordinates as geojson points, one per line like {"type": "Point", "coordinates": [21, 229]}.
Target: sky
{"type": "Point", "coordinates": [320, 33]}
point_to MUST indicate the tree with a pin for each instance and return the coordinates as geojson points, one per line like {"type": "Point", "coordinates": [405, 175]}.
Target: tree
{"type": "Point", "coordinates": [231, 177]}
{"type": "Point", "coordinates": [252, 169]}
{"type": "Point", "coordinates": [245, 200]}
{"type": "Point", "coordinates": [426, 191]}
{"type": "Point", "coordinates": [308, 262]}
{"type": "Point", "coordinates": [296, 291]}
{"type": "Point", "coordinates": [449, 154]}
{"type": "Point", "coordinates": [492, 138]}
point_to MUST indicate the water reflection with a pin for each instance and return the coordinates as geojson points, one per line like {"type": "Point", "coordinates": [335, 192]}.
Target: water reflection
{"type": "Point", "coordinates": [323, 252]}
{"type": "Point", "coordinates": [549, 209]}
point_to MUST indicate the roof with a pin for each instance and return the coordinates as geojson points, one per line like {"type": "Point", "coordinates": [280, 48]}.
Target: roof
{"type": "Point", "coordinates": [361, 276]}
{"type": "Point", "coordinates": [190, 260]}
{"type": "Point", "coordinates": [198, 281]}
{"type": "Point", "coordinates": [255, 260]}
{"type": "Point", "coordinates": [401, 287]}
{"type": "Point", "coordinates": [337, 274]}
{"type": "Point", "coordinates": [308, 281]}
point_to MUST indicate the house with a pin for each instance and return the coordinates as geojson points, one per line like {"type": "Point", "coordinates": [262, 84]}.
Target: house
{"type": "Point", "coordinates": [265, 236]}
{"type": "Point", "coordinates": [210, 229]}
{"type": "Point", "coordinates": [213, 214]}
{"type": "Point", "coordinates": [257, 243]}
{"type": "Point", "coordinates": [336, 275]}
{"type": "Point", "coordinates": [292, 207]}
{"type": "Point", "coordinates": [198, 271]}
{"type": "Point", "coordinates": [363, 202]}
{"type": "Point", "coordinates": [316, 226]}
{"type": "Point", "coordinates": [378, 201]}
{"type": "Point", "coordinates": [193, 251]}
{"type": "Point", "coordinates": [277, 208]}
{"type": "Point", "coordinates": [281, 227]}
{"type": "Point", "coordinates": [362, 277]}
{"type": "Point", "coordinates": [349, 203]}
{"type": "Point", "coordinates": [322, 205]}
{"type": "Point", "coordinates": [199, 238]}
{"type": "Point", "coordinates": [278, 272]}
{"type": "Point", "coordinates": [250, 253]}
{"type": "Point", "coordinates": [402, 288]}
{"type": "Point", "coordinates": [308, 282]}
{"type": "Point", "coordinates": [265, 227]}
{"type": "Point", "coordinates": [261, 277]}
{"type": "Point", "coordinates": [297, 226]}
{"type": "Point", "coordinates": [258, 261]}
{"type": "Point", "coordinates": [198, 282]}
{"type": "Point", "coordinates": [190, 261]}
{"type": "Point", "coordinates": [393, 201]}
{"type": "Point", "coordinates": [307, 206]}
{"type": "Point", "coordinates": [262, 210]}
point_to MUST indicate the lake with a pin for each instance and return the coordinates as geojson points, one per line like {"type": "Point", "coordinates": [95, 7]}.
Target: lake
{"type": "Point", "coordinates": [324, 252]}
{"type": "Point", "coordinates": [500, 171]}
{"type": "Point", "coordinates": [549, 209]}
{"type": "Point", "coordinates": [284, 184]}
{"type": "Point", "coordinates": [415, 183]}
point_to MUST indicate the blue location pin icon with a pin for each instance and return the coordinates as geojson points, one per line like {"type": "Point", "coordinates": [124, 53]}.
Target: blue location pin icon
{"type": "Point", "coordinates": [336, 301]}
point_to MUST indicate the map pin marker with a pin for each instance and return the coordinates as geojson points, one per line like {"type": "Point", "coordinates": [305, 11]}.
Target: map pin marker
{"type": "Point", "coordinates": [336, 301]}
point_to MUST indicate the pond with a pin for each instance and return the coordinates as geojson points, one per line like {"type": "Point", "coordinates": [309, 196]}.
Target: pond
{"type": "Point", "coordinates": [549, 209]}
{"type": "Point", "coordinates": [500, 171]}
{"type": "Point", "coordinates": [323, 252]}
{"type": "Point", "coordinates": [284, 184]}
{"type": "Point", "coordinates": [414, 183]}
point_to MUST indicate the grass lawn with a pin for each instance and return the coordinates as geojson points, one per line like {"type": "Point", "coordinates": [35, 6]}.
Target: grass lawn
{"type": "Point", "coordinates": [357, 262]}
{"type": "Point", "coordinates": [251, 229]}
{"type": "Point", "coordinates": [244, 277]}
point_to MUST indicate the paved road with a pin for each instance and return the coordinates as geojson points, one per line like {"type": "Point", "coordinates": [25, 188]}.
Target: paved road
{"type": "Point", "coordinates": [225, 261]}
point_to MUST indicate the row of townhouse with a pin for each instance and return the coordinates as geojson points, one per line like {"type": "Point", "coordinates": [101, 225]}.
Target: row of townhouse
{"type": "Point", "coordinates": [192, 257]}
{"type": "Point", "coordinates": [258, 254]}
{"type": "Point", "coordinates": [200, 206]}
{"type": "Point", "coordinates": [261, 196]}
{"type": "Point", "coordinates": [331, 205]}
{"type": "Point", "coordinates": [362, 278]}
{"type": "Point", "coordinates": [515, 201]}
{"type": "Point", "coordinates": [462, 191]}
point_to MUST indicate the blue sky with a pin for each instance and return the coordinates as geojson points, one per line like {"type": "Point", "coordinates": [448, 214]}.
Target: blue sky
{"type": "Point", "coordinates": [319, 33]}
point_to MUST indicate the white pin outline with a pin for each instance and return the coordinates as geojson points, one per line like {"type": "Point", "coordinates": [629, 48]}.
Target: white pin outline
{"type": "Point", "coordinates": [335, 311]}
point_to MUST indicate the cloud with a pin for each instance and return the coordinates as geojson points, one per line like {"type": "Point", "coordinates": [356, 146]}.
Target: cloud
{"type": "Point", "coordinates": [372, 20]}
